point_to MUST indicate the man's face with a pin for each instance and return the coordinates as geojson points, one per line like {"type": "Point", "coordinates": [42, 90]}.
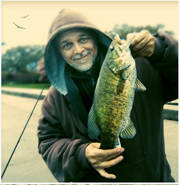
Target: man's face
{"type": "Point", "coordinates": [78, 48]}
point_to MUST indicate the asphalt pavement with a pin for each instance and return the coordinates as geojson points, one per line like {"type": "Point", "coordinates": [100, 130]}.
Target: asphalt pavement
{"type": "Point", "coordinates": [26, 165]}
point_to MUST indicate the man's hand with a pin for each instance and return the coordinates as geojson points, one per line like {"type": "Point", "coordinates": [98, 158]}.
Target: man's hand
{"type": "Point", "coordinates": [142, 45]}
{"type": "Point", "coordinates": [101, 159]}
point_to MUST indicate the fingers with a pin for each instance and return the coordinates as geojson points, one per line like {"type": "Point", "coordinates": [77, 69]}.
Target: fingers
{"type": "Point", "coordinates": [138, 37]}
{"type": "Point", "coordinates": [100, 156]}
{"type": "Point", "coordinates": [103, 173]}
{"type": "Point", "coordinates": [96, 156]}
{"type": "Point", "coordinates": [110, 163]}
{"type": "Point", "coordinates": [138, 44]}
{"type": "Point", "coordinates": [101, 159]}
{"type": "Point", "coordinates": [114, 154]}
{"type": "Point", "coordinates": [142, 45]}
{"type": "Point", "coordinates": [146, 51]}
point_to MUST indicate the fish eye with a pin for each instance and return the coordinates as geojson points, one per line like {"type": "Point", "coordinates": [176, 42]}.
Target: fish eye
{"type": "Point", "coordinates": [111, 48]}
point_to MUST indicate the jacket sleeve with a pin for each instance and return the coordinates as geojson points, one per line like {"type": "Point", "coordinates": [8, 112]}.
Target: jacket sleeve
{"type": "Point", "coordinates": [165, 59]}
{"type": "Point", "coordinates": [64, 156]}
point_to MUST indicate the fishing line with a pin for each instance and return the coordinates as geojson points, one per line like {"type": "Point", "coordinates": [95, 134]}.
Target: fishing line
{"type": "Point", "coordinates": [23, 130]}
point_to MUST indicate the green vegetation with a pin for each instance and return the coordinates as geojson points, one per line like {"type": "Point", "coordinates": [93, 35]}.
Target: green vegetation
{"type": "Point", "coordinates": [124, 29]}
{"type": "Point", "coordinates": [20, 65]}
{"type": "Point", "coordinates": [30, 86]}
{"type": "Point", "coordinates": [22, 58]}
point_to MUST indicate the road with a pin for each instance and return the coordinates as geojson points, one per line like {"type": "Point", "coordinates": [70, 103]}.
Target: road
{"type": "Point", "coordinates": [26, 164]}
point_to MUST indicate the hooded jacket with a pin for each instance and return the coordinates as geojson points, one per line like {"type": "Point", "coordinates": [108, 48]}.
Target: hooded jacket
{"type": "Point", "coordinates": [62, 130]}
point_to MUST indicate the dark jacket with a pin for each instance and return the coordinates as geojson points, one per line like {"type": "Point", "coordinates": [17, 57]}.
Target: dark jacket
{"type": "Point", "coordinates": [62, 129]}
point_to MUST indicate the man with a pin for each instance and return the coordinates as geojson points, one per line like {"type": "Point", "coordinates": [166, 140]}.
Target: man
{"type": "Point", "coordinates": [73, 58]}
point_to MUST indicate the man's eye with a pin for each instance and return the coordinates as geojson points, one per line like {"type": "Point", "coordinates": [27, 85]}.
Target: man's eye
{"type": "Point", "coordinates": [84, 39]}
{"type": "Point", "coordinates": [66, 46]}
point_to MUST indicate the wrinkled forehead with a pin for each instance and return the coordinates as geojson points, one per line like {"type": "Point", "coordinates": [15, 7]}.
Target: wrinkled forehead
{"type": "Point", "coordinates": [79, 32]}
{"type": "Point", "coordinates": [76, 30]}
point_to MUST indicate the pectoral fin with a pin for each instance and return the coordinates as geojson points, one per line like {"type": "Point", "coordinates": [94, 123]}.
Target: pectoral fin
{"type": "Point", "coordinates": [129, 130]}
{"type": "Point", "coordinates": [139, 86]}
{"type": "Point", "coordinates": [93, 130]}
{"type": "Point", "coordinates": [125, 74]}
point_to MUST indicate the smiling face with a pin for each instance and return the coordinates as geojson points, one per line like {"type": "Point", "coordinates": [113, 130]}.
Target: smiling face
{"type": "Point", "coordinates": [78, 48]}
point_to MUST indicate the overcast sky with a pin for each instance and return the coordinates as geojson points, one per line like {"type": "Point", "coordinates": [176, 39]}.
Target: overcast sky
{"type": "Point", "coordinates": [105, 14]}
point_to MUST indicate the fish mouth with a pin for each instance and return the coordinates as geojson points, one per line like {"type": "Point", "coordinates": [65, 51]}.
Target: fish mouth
{"type": "Point", "coordinates": [126, 67]}
{"type": "Point", "coordinates": [123, 69]}
{"type": "Point", "coordinates": [117, 71]}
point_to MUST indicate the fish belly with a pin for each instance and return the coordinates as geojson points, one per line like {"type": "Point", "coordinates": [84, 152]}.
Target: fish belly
{"type": "Point", "coordinates": [100, 113]}
{"type": "Point", "coordinates": [118, 113]}
{"type": "Point", "coordinates": [112, 104]}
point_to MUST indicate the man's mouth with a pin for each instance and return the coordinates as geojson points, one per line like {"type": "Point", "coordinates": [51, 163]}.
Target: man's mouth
{"type": "Point", "coordinates": [82, 57]}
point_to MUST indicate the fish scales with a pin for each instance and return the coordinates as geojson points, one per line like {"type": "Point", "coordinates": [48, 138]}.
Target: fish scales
{"type": "Point", "coordinates": [113, 99]}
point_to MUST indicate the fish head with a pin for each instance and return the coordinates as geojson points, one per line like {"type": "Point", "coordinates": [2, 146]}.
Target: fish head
{"type": "Point", "coordinates": [119, 54]}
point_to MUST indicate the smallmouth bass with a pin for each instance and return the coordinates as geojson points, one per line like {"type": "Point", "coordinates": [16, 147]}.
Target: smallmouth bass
{"type": "Point", "coordinates": [109, 116]}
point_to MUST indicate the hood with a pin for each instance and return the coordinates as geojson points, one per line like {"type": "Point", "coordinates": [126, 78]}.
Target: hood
{"type": "Point", "coordinates": [54, 63]}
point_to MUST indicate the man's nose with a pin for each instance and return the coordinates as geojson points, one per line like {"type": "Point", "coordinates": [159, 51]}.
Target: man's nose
{"type": "Point", "coordinates": [77, 48]}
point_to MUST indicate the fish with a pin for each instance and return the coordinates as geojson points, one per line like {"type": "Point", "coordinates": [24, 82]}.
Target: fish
{"type": "Point", "coordinates": [109, 116]}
